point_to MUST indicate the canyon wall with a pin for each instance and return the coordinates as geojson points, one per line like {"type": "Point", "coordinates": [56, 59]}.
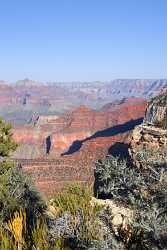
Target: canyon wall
{"type": "Point", "coordinates": [60, 150]}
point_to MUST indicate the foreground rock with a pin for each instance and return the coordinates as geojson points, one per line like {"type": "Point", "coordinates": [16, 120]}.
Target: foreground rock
{"type": "Point", "coordinates": [151, 135]}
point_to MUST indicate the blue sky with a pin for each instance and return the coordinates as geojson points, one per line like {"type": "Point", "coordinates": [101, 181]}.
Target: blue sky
{"type": "Point", "coordinates": [86, 40]}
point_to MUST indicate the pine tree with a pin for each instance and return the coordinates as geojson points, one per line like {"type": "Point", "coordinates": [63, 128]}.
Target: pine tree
{"type": "Point", "coordinates": [16, 189]}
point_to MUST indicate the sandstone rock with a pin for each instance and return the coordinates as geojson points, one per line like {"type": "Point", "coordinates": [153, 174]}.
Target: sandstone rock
{"type": "Point", "coordinates": [118, 212]}
{"type": "Point", "coordinates": [121, 217]}
{"type": "Point", "coordinates": [117, 220]}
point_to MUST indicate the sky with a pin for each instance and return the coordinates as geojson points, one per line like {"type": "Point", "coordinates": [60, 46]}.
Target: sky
{"type": "Point", "coordinates": [83, 40]}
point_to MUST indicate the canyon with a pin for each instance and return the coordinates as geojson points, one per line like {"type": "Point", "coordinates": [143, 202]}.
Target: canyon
{"type": "Point", "coordinates": [58, 150]}
{"type": "Point", "coordinates": [63, 128]}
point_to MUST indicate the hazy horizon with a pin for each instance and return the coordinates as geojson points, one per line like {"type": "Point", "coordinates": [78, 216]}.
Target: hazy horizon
{"type": "Point", "coordinates": [79, 81]}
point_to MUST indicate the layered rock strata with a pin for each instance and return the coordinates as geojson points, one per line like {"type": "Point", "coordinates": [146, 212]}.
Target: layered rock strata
{"type": "Point", "coordinates": [60, 150]}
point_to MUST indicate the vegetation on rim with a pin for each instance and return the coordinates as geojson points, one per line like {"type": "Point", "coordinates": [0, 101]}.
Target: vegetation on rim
{"type": "Point", "coordinates": [70, 220]}
{"type": "Point", "coordinates": [142, 190]}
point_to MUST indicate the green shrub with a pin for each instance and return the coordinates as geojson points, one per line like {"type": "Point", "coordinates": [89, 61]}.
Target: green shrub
{"type": "Point", "coordinates": [22, 209]}
{"type": "Point", "coordinates": [143, 190]}
{"type": "Point", "coordinates": [17, 191]}
{"type": "Point", "coordinates": [76, 200]}
{"type": "Point", "coordinates": [115, 179]}
{"type": "Point", "coordinates": [150, 224]}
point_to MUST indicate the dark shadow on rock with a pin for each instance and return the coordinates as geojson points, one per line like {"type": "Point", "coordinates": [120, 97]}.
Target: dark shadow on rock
{"type": "Point", "coordinates": [48, 144]}
{"type": "Point", "coordinates": [76, 145]}
{"type": "Point", "coordinates": [118, 129]}
{"type": "Point", "coordinates": [120, 150]}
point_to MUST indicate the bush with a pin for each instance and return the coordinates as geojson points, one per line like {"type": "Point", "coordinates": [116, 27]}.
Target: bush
{"type": "Point", "coordinates": [142, 190]}
{"type": "Point", "coordinates": [150, 224]}
{"type": "Point", "coordinates": [76, 202]}
{"type": "Point", "coordinates": [17, 191]}
{"type": "Point", "coordinates": [114, 179]}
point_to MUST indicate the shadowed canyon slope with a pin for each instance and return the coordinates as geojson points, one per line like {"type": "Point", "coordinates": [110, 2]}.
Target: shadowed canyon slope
{"type": "Point", "coordinates": [60, 150]}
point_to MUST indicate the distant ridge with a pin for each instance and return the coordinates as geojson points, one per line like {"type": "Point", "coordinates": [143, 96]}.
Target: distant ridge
{"type": "Point", "coordinates": [20, 100]}
{"type": "Point", "coordinates": [28, 83]}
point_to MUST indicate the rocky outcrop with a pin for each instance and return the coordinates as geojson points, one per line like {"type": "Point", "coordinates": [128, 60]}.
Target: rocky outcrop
{"type": "Point", "coordinates": [121, 215]}
{"type": "Point", "coordinates": [157, 110]}
{"type": "Point", "coordinates": [151, 136]}
{"type": "Point", "coordinates": [148, 137]}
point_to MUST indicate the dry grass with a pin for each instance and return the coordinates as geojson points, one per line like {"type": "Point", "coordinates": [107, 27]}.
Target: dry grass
{"type": "Point", "coordinates": [75, 200]}
{"type": "Point", "coordinates": [6, 242]}
{"type": "Point", "coordinates": [17, 226]}
{"type": "Point", "coordinates": [13, 237]}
